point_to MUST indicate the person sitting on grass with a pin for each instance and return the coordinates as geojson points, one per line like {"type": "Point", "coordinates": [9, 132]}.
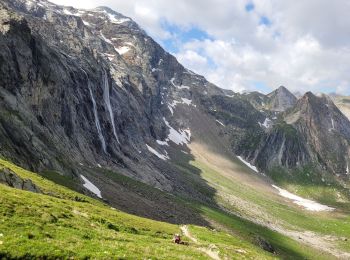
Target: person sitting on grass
{"type": "Point", "coordinates": [177, 239]}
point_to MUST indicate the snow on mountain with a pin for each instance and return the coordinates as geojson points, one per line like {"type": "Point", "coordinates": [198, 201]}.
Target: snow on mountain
{"type": "Point", "coordinates": [159, 155]}
{"type": "Point", "coordinates": [180, 137]}
{"type": "Point", "coordinates": [305, 203]}
{"type": "Point", "coordinates": [91, 187]}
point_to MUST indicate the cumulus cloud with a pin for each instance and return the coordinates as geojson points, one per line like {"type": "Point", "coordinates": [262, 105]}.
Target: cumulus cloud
{"type": "Point", "coordinates": [304, 45]}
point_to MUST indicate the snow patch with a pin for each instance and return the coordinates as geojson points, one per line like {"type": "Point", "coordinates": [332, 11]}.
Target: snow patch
{"type": "Point", "coordinates": [178, 137]}
{"type": "Point", "coordinates": [130, 44]}
{"type": "Point", "coordinates": [91, 187]}
{"type": "Point", "coordinates": [267, 123]}
{"type": "Point", "coordinates": [115, 20]}
{"type": "Point", "coordinates": [162, 142]}
{"type": "Point", "coordinates": [174, 103]}
{"type": "Point", "coordinates": [86, 23]}
{"type": "Point", "coordinates": [305, 203]}
{"type": "Point", "coordinates": [159, 155]}
{"type": "Point", "coordinates": [122, 50]}
{"type": "Point", "coordinates": [186, 101]}
{"type": "Point", "coordinates": [220, 122]}
{"type": "Point", "coordinates": [65, 11]}
{"type": "Point", "coordinates": [171, 109]}
{"type": "Point", "coordinates": [178, 86]}
{"type": "Point", "coordinates": [248, 164]}
{"type": "Point", "coordinates": [105, 39]}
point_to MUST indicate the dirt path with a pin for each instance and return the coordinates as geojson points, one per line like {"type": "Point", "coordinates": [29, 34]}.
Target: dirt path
{"type": "Point", "coordinates": [210, 251]}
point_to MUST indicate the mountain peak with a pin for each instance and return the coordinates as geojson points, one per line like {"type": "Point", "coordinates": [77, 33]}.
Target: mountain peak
{"type": "Point", "coordinates": [314, 100]}
{"type": "Point", "coordinates": [281, 99]}
{"type": "Point", "coordinates": [282, 88]}
{"type": "Point", "coordinates": [109, 11]}
{"type": "Point", "coordinates": [308, 96]}
{"type": "Point", "coordinates": [105, 8]}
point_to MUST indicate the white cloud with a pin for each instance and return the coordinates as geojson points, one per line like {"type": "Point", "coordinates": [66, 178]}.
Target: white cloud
{"type": "Point", "coordinates": [305, 47]}
{"type": "Point", "coordinates": [193, 60]}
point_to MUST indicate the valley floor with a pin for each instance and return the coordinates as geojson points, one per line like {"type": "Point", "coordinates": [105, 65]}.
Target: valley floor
{"type": "Point", "coordinates": [250, 195]}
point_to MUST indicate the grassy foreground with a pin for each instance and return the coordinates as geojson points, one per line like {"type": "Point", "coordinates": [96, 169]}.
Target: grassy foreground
{"type": "Point", "coordinates": [61, 224]}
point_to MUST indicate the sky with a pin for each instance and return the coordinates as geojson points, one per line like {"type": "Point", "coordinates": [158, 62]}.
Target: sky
{"type": "Point", "coordinates": [247, 45]}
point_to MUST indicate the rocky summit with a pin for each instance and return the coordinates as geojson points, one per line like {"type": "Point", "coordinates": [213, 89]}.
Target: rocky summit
{"type": "Point", "coordinates": [91, 102]}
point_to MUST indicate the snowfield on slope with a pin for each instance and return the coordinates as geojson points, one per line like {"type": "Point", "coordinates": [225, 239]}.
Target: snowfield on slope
{"type": "Point", "coordinates": [251, 166]}
{"type": "Point", "coordinates": [248, 164]}
{"type": "Point", "coordinates": [181, 137]}
{"type": "Point", "coordinates": [91, 187]}
{"type": "Point", "coordinates": [305, 203]}
{"type": "Point", "coordinates": [159, 155]}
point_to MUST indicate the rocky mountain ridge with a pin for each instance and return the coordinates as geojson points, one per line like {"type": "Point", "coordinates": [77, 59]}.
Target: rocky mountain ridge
{"type": "Point", "coordinates": [313, 131]}
{"type": "Point", "coordinates": [82, 89]}
{"type": "Point", "coordinates": [277, 101]}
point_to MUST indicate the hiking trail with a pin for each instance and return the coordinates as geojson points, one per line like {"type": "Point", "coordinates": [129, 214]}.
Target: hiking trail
{"type": "Point", "coordinates": [210, 251]}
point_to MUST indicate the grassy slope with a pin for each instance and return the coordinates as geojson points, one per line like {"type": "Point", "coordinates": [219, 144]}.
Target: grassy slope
{"type": "Point", "coordinates": [66, 224]}
{"type": "Point", "coordinates": [271, 208]}
{"type": "Point", "coordinates": [286, 247]}
{"type": "Point", "coordinates": [56, 225]}
{"type": "Point", "coordinates": [335, 224]}
{"type": "Point", "coordinates": [310, 184]}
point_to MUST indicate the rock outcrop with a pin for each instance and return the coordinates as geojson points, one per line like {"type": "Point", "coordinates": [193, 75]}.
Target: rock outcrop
{"type": "Point", "coordinates": [11, 179]}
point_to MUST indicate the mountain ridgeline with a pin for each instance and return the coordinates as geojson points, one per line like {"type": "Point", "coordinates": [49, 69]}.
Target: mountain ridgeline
{"type": "Point", "coordinates": [81, 89]}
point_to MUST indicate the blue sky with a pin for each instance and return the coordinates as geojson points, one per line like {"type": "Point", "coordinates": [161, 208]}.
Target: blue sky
{"type": "Point", "coordinates": [250, 44]}
{"type": "Point", "coordinates": [182, 35]}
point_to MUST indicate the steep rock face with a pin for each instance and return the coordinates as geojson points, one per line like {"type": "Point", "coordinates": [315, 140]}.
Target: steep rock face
{"type": "Point", "coordinates": [59, 105]}
{"type": "Point", "coordinates": [90, 88]}
{"type": "Point", "coordinates": [314, 132]}
{"type": "Point", "coordinates": [256, 99]}
{"type": "Point", "coordinates": [281, 99]}
{"type": "Point", "coordinates": [283, 146]}
{"type": "Point", "coordinates": [277, 101]}
{"type": "Point", "coordinates": [326, 129]}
